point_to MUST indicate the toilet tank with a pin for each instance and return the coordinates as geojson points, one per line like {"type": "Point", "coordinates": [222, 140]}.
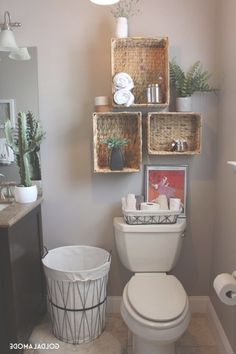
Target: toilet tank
{"type": "Point", "coordinates": [148, 248]}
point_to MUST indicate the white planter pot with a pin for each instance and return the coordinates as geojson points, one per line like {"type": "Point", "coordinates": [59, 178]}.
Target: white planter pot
{"type": "Point", "coordinates": [122, 27]}
{"type": "Point", "coordinates": [184, 104]}
{"type": "Point", "coordinates": [25, 194]}
{"type": "Point", "coordinates": [38, 184]}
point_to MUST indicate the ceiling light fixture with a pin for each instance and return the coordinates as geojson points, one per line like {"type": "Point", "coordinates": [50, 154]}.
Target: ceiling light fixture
{"type": "Point", "coordinates": [104, 2]}
{"type": "Point", "coordinates": [7, 38]}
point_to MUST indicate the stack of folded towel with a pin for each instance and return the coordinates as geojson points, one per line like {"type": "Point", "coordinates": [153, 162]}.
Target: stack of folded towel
{"type": "Point", "coordinates": [123, 84]}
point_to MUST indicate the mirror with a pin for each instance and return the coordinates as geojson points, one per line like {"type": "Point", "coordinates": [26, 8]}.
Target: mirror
{"type": "Point", "coordinates": [18, 92]}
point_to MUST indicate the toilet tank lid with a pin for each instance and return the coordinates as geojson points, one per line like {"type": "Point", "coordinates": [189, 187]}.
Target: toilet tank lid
{"type": "Point", "coordinates": [157, 296]}
{"type": "Point", "coordinates": [120, 224]}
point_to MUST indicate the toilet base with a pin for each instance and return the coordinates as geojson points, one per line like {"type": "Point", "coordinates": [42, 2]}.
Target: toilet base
{"type": "Point", "coordinates": [141, 346]}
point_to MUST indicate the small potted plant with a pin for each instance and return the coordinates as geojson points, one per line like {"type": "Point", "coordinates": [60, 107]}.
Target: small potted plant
{"type": "Point", "coordinates": [194, 80]}
{"type": "Point", "coordinates": [116, 156]}
{"type": "Point", "coordinates": [122, 11]}
{"type": "Point", "coordinates": [23, 141]}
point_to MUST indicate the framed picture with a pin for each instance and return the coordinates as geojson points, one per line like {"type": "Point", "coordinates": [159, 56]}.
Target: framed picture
{"type": "Point", "coordinates": [7, 111]}
{"type": "Point", "coordinates": [168, 180]}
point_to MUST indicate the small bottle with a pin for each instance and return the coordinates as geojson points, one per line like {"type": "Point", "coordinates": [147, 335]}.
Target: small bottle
{"type": "Point", "coordinates": [149, 93]}
{"type": "Point", "coordinates": [155, 93]}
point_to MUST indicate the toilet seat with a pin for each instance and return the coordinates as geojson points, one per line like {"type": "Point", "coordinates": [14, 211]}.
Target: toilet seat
{"type": "Point", "coordinates": [156, 297]}
{"type": "Point", "coordinates": [164, 331]}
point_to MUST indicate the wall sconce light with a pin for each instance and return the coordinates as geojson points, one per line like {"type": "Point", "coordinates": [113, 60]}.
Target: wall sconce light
{"type": "Point", "coordinates": [7, 38]}
{"type": "Point", "coordinates": [104, 2]}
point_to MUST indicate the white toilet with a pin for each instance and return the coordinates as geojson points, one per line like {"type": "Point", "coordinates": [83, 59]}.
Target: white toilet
{"type": "Point", "coordinates": [155, 305]}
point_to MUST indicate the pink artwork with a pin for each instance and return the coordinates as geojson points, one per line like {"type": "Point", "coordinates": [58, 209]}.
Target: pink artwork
{"type": "Point", "coordinates": [167, 180]}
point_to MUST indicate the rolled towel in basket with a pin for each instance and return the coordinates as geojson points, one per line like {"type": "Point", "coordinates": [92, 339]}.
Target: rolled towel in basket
{"type": "Point", "coordinates": [123, 81]}
{"type": "Point", "coordinates": [124, 97]}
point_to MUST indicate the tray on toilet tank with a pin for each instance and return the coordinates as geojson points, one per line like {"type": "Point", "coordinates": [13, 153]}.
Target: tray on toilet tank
{"type": "Point", "coordinates": [147, 217]}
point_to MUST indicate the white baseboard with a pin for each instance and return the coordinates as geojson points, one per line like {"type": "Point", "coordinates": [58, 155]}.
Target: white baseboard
{"type": "Point", "coordinates": [223, 342]}
{"type": "Point", "coordinates": [113, 304]}
{"type": "Point", "coordinates": [198, 304]}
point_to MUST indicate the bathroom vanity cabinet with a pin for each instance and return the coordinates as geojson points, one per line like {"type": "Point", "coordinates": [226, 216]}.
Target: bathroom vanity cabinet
{"type": "Point", "coordinates": [22, 287]}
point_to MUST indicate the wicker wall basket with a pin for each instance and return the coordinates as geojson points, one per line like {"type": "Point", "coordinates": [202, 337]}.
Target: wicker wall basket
{"type": "Point", "coordinates": [123, 125]}
{"type": "Point", "coordinates": [144, 59]}
{"type": "Point", "coordinates": [164, 128]}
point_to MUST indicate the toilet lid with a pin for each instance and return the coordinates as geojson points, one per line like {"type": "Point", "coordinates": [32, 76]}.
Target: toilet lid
{"type": "Point", "coordinates": [157, 297]}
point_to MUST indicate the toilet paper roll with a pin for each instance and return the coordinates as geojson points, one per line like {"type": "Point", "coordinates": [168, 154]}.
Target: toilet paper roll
{"type": "Point", "coordinates": [149, 206]}
{"type": "Point", "coordinates": [225, 288]}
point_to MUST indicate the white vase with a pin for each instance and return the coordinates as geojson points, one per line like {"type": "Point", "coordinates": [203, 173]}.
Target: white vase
{"type": "Point", "coordinates": [184, 104]}
{"type": "Point", "coordinates": [38, 184]}
{"type": "Point", "coordinates": [25, 194]}
{"type": "Point", "coordinates": [122, 27]}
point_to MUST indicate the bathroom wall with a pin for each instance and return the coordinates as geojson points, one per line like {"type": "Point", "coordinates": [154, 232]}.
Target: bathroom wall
{"type": "Point", "coordinates": [224, 238]}
{"type": "Point", "coordinates": [73, 40]}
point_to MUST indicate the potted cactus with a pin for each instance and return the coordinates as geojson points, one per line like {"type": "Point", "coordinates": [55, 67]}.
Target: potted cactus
{"type": "Point", "coordinates": [116, 157]}
{"type": "Point", "coordinates": [34, 157]}
{"type": "Point", "coordinates": [24, 140]}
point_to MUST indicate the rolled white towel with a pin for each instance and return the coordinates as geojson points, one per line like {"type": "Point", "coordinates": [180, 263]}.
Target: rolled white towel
{"type": "Point", "coordinates": [123, 81]}
{"type": "Point", "coordinates": [124, 97]}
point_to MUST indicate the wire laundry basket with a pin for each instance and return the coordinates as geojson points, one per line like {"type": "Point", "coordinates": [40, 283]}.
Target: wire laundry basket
{"type": "Point", "coordinates": [77, 279]}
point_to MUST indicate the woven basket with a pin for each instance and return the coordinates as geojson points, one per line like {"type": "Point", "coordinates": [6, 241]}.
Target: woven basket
{"type": "Point", "coordinates": [144, 59]}
{"type": "Point", "coordinates": [123, 125]}
{"type": "Point", "coordinates": [164, 128]}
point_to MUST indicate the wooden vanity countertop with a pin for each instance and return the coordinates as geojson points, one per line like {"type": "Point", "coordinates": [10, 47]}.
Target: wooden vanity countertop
{"type": "Point", "coordinates": [15, 211]}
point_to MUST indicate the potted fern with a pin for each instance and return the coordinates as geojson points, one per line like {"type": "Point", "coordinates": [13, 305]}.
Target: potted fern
{"type": "Point", "coordinates": [194, 80]}
{"type": "Point", "coordinates": [115, 144]}
{"type": "Point", "coordinates": [23, 142]}
{"type": "Point", "coordinates": [122, 11]}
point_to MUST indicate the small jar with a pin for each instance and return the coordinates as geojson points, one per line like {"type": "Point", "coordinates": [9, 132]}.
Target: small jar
{"type": "Point", "coordinates": [149, 93]}
{"type": "Point", "coordinates": [155, 93]}
{"type": "Point", "coordinates": [102, 104]}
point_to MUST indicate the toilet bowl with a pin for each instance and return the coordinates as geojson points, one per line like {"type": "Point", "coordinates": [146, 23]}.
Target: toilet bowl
{"type": "Point", "coordinates": [155, 308]}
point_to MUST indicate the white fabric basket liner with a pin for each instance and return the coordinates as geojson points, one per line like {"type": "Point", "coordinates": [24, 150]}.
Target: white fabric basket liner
{"type": "Point", "coordinates": [76, 263]}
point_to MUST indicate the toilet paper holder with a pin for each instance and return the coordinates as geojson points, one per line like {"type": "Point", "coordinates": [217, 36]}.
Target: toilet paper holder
{"type": "Point", "coordinates": [232, 294]}
{"type": "Point", "coordinates": [225, 288]}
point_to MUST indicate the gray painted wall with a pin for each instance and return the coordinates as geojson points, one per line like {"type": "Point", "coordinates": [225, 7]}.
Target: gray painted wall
{"type": "Point", "coordinates": [73, 40]}
{"type": "Point", "coordinates": [224, 238]}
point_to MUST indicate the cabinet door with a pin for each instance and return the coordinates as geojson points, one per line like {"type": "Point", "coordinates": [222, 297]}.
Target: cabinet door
{"type": "Point", "coordinates": [7, 307]}
{"type": "Point", "coordinates": [25, 243]}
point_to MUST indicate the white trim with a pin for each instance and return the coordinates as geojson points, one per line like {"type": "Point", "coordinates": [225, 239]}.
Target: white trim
{"type": "Point", "coordinates": [222, 340]}
{"type": "Point", "coordinates": [113, 304]}
{"type": "Point", "coordinates": [198, 304]}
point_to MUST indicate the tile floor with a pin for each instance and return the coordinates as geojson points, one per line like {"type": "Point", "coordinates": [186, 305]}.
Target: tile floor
{"type": "Point", "coordinates": [199, 339]}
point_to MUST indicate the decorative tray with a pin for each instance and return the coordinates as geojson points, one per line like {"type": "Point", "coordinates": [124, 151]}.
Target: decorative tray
{"type": "Point", "coordinates": [148, 217]}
